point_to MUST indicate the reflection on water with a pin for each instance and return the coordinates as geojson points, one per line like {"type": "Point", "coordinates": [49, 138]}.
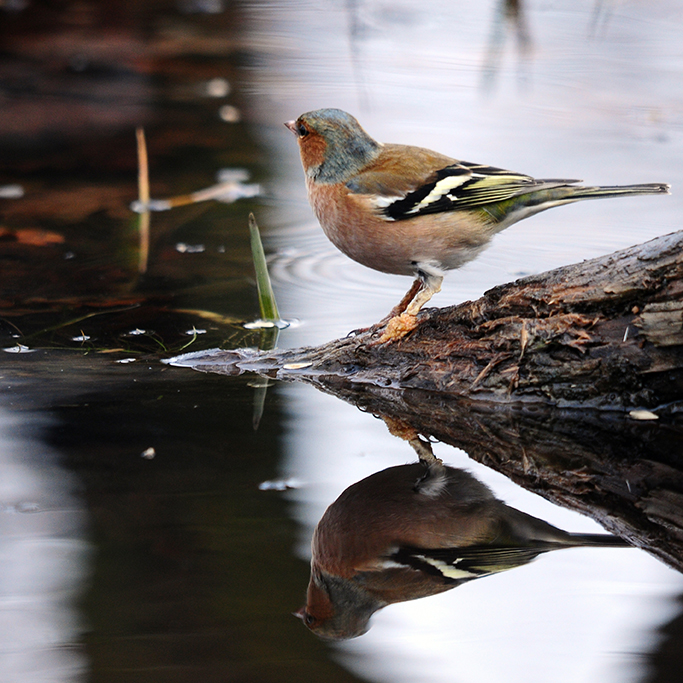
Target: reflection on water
{"type": "Point", "coordinates": [528, 624]}
{"type": "Point", "coordinates": [412, 531]}
{"type": "Point", "coordinates": [43, 553]}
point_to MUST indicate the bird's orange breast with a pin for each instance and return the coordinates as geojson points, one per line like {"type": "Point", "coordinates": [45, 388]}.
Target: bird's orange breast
{"type": "Point", "coordinates": [355, 225]}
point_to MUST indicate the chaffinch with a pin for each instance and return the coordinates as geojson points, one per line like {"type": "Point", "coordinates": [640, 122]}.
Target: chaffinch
{"type": "Point", "coordinates": [410, 211]}
{"type": "Point", "coordinates": [411, 531]}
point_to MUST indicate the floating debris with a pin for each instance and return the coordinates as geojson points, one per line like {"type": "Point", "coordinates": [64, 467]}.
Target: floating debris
{"type": "Point", "coordinates": [643, 415]}
{"type": "Point", "coordinates": [19, 348]}
{"type": "Point", "coordinates": [232, 175]}
{"type": "Point", "coordinates": [229, 189]}
{"type": "Point", "coordinates": [151, 205]}
{"type": "Point", "coordinates": [148, 453]}
{"type": "Point", "coordinates": [11, 191]}
{"type": "Point", "coordinates": [34, 237]}
{"type": "Point", "coordinates": [266, 325]}
{"type": "Point", "coordinates": [279, 484]}
{"type": "Point", "coordinates": [230, 114]}
{"type": "Point", "coordinates": [259, 383]}
{"type": "Point", "coordinates": [217, 87]}
{"type": "Point", "coordinates": [20, 507]}
{"type": "Point", "coordinates": [189, 248]}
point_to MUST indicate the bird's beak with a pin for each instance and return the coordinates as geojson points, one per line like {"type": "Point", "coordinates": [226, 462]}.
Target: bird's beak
{"type": "Point", "coordinates": [299, 614]}
{"type": "Point", "coordinates": [291, 125]}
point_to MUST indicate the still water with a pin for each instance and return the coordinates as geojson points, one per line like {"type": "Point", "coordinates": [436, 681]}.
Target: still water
{"type": "Point", "coordinates": [142, 533]}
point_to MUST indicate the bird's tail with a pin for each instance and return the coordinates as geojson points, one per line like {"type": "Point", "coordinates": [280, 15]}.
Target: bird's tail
{"type": "Point", "coordinates": [579, 192]}
{"type": "Point", "coordinates": [525, 530]}
{"type": "Point", "coordinates": [549, 193]}
{"type": "Point", "coordinates": [597, 540]}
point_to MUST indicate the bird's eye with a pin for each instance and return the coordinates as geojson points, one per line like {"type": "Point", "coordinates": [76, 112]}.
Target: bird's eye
{"type": "Point", "coordinates": [301, 130]}
{"type": "Point", "coordinates": [309, 619]}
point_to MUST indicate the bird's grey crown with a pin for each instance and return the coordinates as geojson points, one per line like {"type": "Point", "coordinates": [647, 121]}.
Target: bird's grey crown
{"type": "Point", "coordinates": [349, 148]}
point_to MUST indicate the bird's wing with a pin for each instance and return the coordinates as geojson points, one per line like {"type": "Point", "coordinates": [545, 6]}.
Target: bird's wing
{"type": "Point", "coordinates": [473, 562]}
{"type": "Point", "coordinates": [404, 191]}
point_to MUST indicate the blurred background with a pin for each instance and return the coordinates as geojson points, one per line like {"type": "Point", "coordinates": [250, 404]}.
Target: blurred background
{"type": "Point", "coordinates": [148, 532]}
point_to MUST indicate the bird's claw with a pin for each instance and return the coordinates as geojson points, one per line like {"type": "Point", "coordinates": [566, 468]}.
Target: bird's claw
{"type": "Point", "coordinates": [398, 327]}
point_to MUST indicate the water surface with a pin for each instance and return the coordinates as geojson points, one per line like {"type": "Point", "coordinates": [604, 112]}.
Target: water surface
{"type": "Point", "coordinates": [124, 563]}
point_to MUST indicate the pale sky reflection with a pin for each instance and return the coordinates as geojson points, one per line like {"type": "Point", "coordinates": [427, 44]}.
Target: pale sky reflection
{"type": "Point", "coordinates": [43, 555]}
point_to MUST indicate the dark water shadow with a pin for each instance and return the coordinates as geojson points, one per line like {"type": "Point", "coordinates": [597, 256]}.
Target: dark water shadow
{"type": "Point", "coordinates": [186, 567]}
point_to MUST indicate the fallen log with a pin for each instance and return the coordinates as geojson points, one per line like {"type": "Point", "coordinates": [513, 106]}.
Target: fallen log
{"type": "Point", "coordinates": [606, 333]}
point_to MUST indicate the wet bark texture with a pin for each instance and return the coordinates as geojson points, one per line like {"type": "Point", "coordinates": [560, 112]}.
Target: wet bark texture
{"type": "Point", "coordinates": [544, 379]}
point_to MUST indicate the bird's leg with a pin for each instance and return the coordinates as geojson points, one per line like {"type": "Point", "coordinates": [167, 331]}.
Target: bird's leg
{"type": "Point", "coordinates": [401, 306]}
{"type": "Point", "coordinates": [424, 451]}
{"type": "Point", "coordinates": [431, 483]}
{"type": "Point", "coordinates": [400, 325]}
{"type": "Point", "coordinates": [408, 433]}
{"type": "Point", "coordinates": [396, 310]}
{"type": "Point", "coordinates": [432, 286]}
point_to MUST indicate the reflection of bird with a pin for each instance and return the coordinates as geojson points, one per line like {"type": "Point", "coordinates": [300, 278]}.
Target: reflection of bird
{"type": "Point", "coordinates": [411, 211]}
{"type": "Point", "coordinates": [412, 531]}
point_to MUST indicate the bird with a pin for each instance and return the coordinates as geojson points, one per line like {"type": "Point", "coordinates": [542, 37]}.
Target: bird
{"type": "Point", "coordinates": [411, 211]}
{"type": "Point", "coordinates": [411, 531]}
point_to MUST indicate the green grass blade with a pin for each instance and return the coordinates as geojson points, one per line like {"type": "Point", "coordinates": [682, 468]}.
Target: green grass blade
{"type": "Point", "coordinates": [266, 297]}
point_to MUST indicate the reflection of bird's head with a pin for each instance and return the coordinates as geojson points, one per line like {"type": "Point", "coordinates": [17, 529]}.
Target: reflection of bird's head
{"type": "Point", "coordinates": [336, 608]}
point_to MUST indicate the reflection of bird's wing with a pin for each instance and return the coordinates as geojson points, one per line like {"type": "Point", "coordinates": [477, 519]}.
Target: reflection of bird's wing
{"type": "Point", "coordinates": [464, 564]}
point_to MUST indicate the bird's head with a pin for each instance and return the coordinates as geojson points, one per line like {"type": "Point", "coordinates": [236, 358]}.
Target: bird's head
{"type": "Point", "coordinates": [333, 145]}
{"type": "Point", "coordinates": [337, 608]}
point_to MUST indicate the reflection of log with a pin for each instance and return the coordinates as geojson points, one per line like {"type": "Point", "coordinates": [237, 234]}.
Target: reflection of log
{"type": "Point", "coordinates": [537, 379]}
{"type": "Point", "coordinates": [624, 473]}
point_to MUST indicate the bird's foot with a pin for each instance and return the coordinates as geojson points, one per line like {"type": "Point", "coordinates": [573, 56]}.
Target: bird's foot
{"type": "Point", "coordinates": [364, 330]}
{"type": "Point", "coordinates": [357, 332]}
{"type": "Point", "coordinates": [398, 327]}
{"type": "Point", "coordinates": [404, 430]}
